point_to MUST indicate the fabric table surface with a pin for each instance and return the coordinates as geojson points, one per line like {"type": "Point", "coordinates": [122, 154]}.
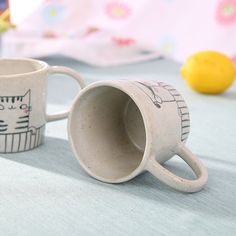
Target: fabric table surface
{"type": "Point", "coordinates": [46, 192]}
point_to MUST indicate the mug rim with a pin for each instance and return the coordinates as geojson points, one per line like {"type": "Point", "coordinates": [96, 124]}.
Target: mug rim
{"type": "Point", "coordinates": [147, 151]}
{"type": "Point", "coordinates": [43, 66]}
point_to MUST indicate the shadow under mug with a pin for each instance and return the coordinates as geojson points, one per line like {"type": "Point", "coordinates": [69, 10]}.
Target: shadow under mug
{"type": "Point", "coordinates": [23, 95]}
{"type": "Point", "coordinates": [118, 129]}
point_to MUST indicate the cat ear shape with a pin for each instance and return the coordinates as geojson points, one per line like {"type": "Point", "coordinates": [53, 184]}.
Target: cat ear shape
{"type": "Point", "coordinates": [27, 93]}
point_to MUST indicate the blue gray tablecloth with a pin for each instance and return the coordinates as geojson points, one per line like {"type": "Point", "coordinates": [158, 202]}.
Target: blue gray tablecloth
{"type": "Point", "coordinates": [46, 192]}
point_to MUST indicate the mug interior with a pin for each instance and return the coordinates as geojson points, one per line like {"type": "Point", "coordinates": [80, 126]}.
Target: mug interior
{"type": "Point", "coordinates": [9, 67]}
{"type": "Point", "coordinates": [107, 133]}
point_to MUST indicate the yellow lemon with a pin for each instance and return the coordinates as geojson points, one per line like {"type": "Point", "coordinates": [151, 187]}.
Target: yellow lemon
{"type": "Point", "coordinates": [208, 72]}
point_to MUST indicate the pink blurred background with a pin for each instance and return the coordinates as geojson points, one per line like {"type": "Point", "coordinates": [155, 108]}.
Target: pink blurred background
{"type": "Point", "coordinates": [114, 32]}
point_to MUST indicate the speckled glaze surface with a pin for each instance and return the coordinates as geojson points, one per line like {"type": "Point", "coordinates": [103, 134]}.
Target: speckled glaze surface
{"type": "Point", "coordinates": [118, 129]}
{"type": "Point", "coordinates": [23, 95]}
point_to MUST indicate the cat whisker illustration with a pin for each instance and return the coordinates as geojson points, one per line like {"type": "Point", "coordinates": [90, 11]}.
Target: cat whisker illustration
{"type": "Point", "coordinates": [3, 130]}
{"type": "Point", "coordinates": [3, 127]}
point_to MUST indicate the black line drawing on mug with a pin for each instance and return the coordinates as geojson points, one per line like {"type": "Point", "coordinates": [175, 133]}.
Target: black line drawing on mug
{"type": "Point", "coordinates": [21, 141]}
{"type": "Point", "coordinates": [154, 94]}
{"type": "Point", "coordinates": [151, 88]}
{"type": "Point", "coordinates": [15, 113]}
{"type": "Point", "coordinates": [16, 133]}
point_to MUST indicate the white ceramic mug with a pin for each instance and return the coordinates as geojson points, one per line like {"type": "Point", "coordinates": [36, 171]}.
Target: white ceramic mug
{"type": "Point", "coordinates": [23, 93]}
{"type": "Point", "coordinates": [118, 129]}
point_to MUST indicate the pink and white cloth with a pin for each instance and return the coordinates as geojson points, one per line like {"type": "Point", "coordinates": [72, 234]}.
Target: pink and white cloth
{"type": "Point", "coordinates": [113, 32]}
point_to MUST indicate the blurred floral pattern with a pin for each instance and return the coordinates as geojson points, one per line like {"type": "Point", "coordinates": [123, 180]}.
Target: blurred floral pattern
{"type": "Point", "coordinates": [117, 10]}
{"type": "Point", "coordinates": [167, 45]}
{"type": "Point", "coordinates": [226, 12]}
{"type": "Point", "coordinates": [53, 12]}
{"type": "Point", "coordinates": [113, 32]}
{"type": "Point", "coordinates": [123, 41]}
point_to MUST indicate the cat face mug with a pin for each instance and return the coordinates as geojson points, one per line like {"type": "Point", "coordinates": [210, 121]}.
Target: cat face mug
{"type": "Point", "coordinates": [23, 92]}
{"type": "Point", "coordinates": [119, 129]}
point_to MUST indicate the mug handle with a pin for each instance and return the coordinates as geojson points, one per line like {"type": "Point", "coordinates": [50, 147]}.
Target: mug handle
{"type": "Point", "coordinates": [66, 71]}
{"type": "Point", "coordinates": [176, 182]}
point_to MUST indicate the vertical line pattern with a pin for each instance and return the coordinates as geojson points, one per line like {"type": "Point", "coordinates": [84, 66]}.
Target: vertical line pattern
{"type": "Point", "coordinates": [5, 148]}
{"type": "Point", "coordinates": [12, 142]}
{"type": "Point", "coordinates": [21, 141]}
{"type": "Point", "coordinates": [183, 110]}
{"type": "Point", "coordinates": [26, 137]}
{"type": "Point", "coordinates": [38, 137]}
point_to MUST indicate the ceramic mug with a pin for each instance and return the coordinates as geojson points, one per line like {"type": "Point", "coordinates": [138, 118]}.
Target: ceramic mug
{"type": "Point", "coordinates": [119, 129]}
{"type": "Point", "coordinates": [23, 93]}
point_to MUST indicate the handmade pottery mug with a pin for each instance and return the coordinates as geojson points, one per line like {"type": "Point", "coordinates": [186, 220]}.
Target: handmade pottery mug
{"type": "Point", "coordinates": [118, 129]}
{"type": "Point", "coordinates": [23, 94]}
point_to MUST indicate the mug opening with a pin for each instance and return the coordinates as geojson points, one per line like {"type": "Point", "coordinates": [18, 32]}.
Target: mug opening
{"type": "Point", "coordinates": [20, 66]}
{"type": "Point", "coordinates": [108, 133]}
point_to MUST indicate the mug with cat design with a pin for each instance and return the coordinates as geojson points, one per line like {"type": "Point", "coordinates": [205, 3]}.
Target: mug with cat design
{"type": "Point", "coordinates": [119, 129]}
{"type": "Point", "coordinates": [23, 93]}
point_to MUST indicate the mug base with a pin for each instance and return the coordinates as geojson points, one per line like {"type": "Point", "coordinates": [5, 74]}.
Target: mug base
{"type": "Point", "coordinates": [22, 141]}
